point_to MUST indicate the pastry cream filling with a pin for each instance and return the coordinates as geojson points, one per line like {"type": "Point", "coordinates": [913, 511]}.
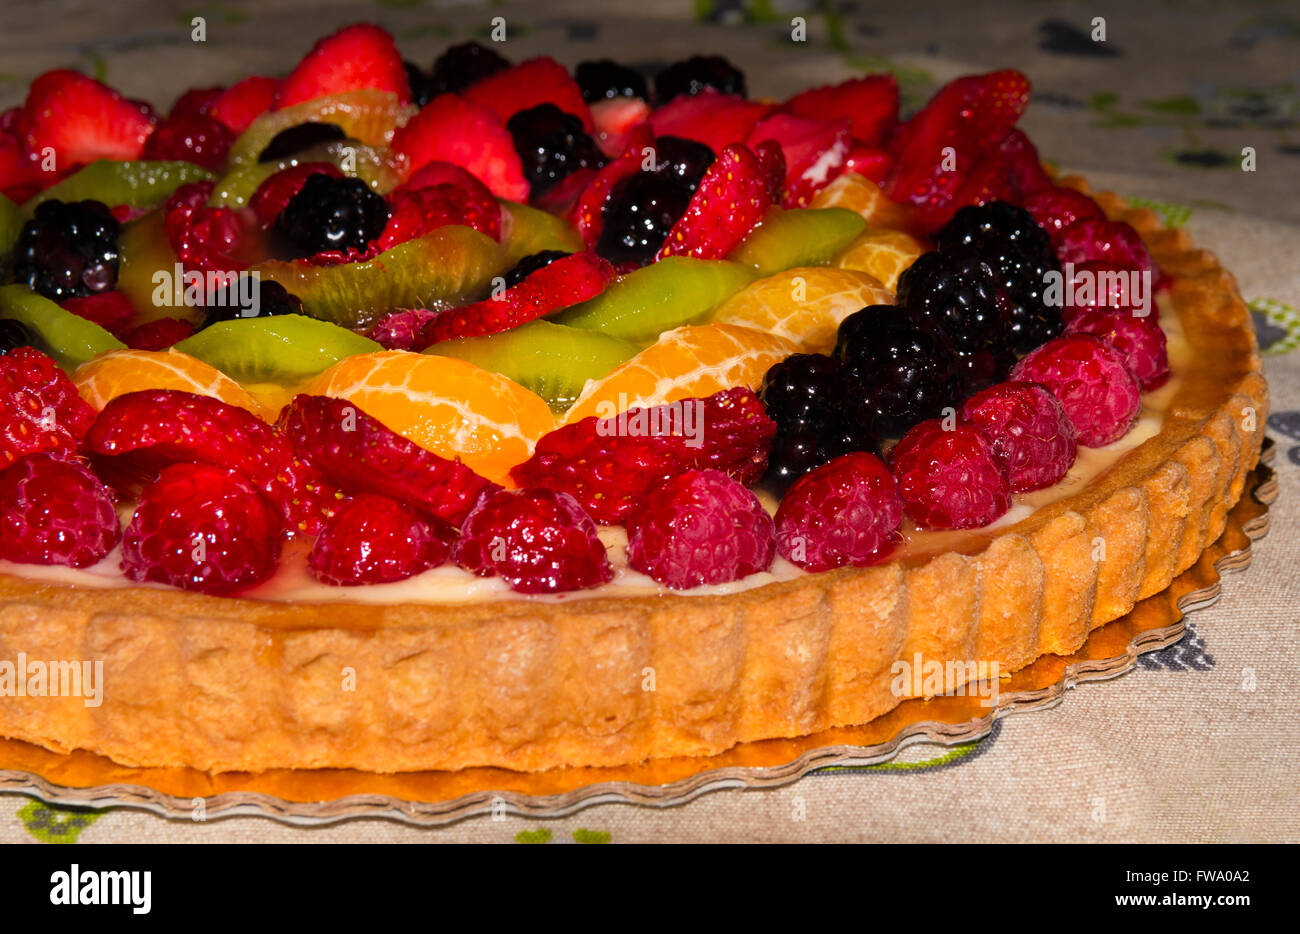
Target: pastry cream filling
{"type": "Point", "coordinates": [449, 584]}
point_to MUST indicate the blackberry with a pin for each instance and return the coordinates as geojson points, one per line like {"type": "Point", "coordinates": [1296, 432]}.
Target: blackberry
{"type": "Point", "coordinates": [801, 390]}
{"type": "Point", "coordinates": [530, 264]}
{"type": "Point", "coordinates": [693, 75]}
{"type": "Point", "coordinates": [250, 297]}
{"type": "Point", "coordinates": [332, 214]}
{"type": "Point", "coordinates": [13, 334]}
{"type": "Point", "coordinates": [551, 144]}
{"type": "Point", "coordinates": [294, 140]}
{"type": "Point", "coordinates": [420, 83]}
{"type": "Point", "coordinates": [794, 452]}
{"type": "Point", "coordinates": [637, 216]}
{"type": "Point", "coordinates": [683, 160]}
{"type": "Point", "coordinates": [462, 65]}
{"type": "Point", "coordinates": [68, 250]}
{"type": "Point", "coordinates": [606, 79]}
{"type": "Point", "coordinates": [996, 221]}
{"type": "Point", "coordinates": [902, 373]}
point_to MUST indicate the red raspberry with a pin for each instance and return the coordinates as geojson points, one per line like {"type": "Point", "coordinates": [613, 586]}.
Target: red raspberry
{"type": "Point", "coordinates": [53, 510]}
{"type": "Point", "coordinates": [111, 310]}
{"type": "Point", "coordinates": [140, 433]}
{"type": "Point", "coordinates": [39, 407]}
{"type": "Point", "coordinates": [445, 173]}
{"type": "Point", "coordinates": [196, 138]}
{"type": "Point", "coordinates": [274, 193]}
{"type": "Point", "coordinates": [158, 334]}
{"type": "Point", "coordinates": [611, 464]}
{"type": "Point", "coordinates": [1093, 383]}
{"type": "Point", "coordinates": [537, 541]}
{"type": "Point", "coordinates": [202, 237]}
{"type": "Point", "coordinates": [1107, 287]}
{"type": "Point", "coordinates": [195, 102]}
{"type": "Point", "coordinates": [205, 528]}
{"type": "Point", "coordinates": [402, 330]}
{"type": "Point", "coordinates": [1057, 208]}
{"type": "Point", "coordinates": [950, 479]}
{"type": "Point", "coordinates": [701, 527]}
{"type": "Point", "coordinates": [845, 512]}
{"type": "Point", "coordinates": [1109, 241]}
{"type": "Point", "coordinates": [361, 455]}
{"type": "Point", "coordinates": [375, 540]}
{"type": "Point", "coordinates": [416, 212]}
{"type": "Point", "coordinates": [1139, 341]}
{"type": "Point", "coordinates": [1032, 437]}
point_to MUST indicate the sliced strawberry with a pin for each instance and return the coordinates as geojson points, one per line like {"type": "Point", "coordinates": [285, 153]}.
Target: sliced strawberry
{"type": "Point", "coordinates": [772, 158]}
{"type": "Point", "coordinates": [363, 456]}
{"type": "Point", "coordinates": [451, 129]}
{"type": "Point", "coordinates": [111, 310]}
{"type": "Point", "coordinates": [814, 150]}
{"type": "Point", "coordinates": [870, 103]}
{"type": "Point", "coordinates": [274, 193]}
{"type": "Point", "coordinates": [195, 102]}
{"type": "Point", "coordinates": [717, 120]}
{"type": "Point", "coordinates": [873, 164]}
{"type": "Point", "coordinates": [444, 173]}
{"type": "Point", "coordinates": [81, 120]}
{"type": "Point", "coordinates": [536, 81]}
{"type": "Point", "coordinates": [20, 175]}
{"type": "Point", "coordinates": [354, 58]}
{"type": "Point", "coordinates": [732, 198]}
{"type": "Point", "coordinates": [587, 213]}
{"type": "Point", "coordinates": [1024, 169]}
{"type": "Point", "coordinates": [245, 101]}
{"type": "Point", "coordinates": [416, 212]}
{"type": "Point", "coordinates": [562, 197]}
{"type": "Point", "coordinates": [614, 119]}
{"type": "Point", "coordinates": [1008, 172]}
{"type": "Point", "coordinates": [557, 285]}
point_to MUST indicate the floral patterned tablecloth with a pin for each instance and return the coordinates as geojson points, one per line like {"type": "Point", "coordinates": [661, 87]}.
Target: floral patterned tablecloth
{"type": "Point", "coordinates": [1199, 743]}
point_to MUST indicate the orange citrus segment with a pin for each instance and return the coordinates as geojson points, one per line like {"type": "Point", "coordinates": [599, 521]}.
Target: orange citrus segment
{"type": "Point", "coordinates": [448, 406]}
{"type": "Point", "coordinates": [881, 253]}
{"type": "Point", "coordinates": [121, 371]}
{"type": "Point", "coordinates": [684, 363]}
{"type": "Point", "coordinates": [856, 193]}
{"type": "Point", "coordinates": [805, 305]}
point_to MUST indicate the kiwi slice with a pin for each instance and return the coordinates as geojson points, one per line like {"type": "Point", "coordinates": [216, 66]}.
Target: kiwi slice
{"type": "Point", "coordinates": [373, 165]}
{"type": "Point", "coordinates": [366, 115]}
{"type": "Point", "coordinates": [673, 292]}
{"type": "Point", "coordinates": [69, 339]}
{"type": "Point", "coordinates": [11, 225]}
{"type": "Point", "coordinates": [552, 360]}
{"type": "Point", "coordinates": [283, 349]}
{"type": "Point", "coordinates": [800, 237]}
{"type": "Point", "coordinates": [138, 184]}
{"type": "Point", "coordinates": [529, 230]}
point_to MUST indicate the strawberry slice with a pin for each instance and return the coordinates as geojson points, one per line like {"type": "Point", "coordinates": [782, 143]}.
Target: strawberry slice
{"type": "Point", "coordinates": [1008, 172]}
{"type": "Point", "coordinates": [451, 129]}
{"type": "Point", "coordinates": [772, 158]}
{"type": "Point", "coordinates": [444, 173]}
{"type": "Point", "coordinates": [195, 102]}
{"type": "Point", "coordinates": [870, 163]}
{"type": "Point", "coordinates": [715, 119]}
{"type": "Point", "coordinates": [356, 57]}
{"type": "Point", "coordinates": [732, 198]}
{"type": "Point", "coordinates": [20, 175]}
{"type": "Point", "coordinates": [587, 213]}
{"type": "Point", "coordinates": [359, 453]}
{"type": "Point", "coordinates": [557, 285]}
{"type": "Point", "coordinates": [139, 434]}
{"type": "Point", "coordinates": [815, 151]}
{"type": "Point", "coordinates": [243, 102]}
{"type": "Point", "coordinates": [870, 103]}
{"type": "Point", "coordinates": [562, 197]}
{"type": "Point", "coordinates": [81, 120]}
{"type": "Point", "coordinates": [535, 81]}
{"type": "Point", "coordinates": [614, 119]}
{"type": "Point", "coordinates": [416, 212]}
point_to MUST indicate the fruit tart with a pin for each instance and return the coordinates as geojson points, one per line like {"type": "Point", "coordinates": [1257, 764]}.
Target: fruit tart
{"type": "Point", "coordinates": [494, 414]}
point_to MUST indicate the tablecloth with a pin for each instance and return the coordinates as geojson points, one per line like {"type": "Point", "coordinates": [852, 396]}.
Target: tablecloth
{"type": "Point", "coordinates": [1199, 743]}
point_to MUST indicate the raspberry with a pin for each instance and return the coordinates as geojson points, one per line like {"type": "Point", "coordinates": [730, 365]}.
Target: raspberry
{"type": "Point", "coordinates": [402, 330]}
{"type": "Point", "coordinates": [140, 433]}
{"type": "Point", "coordinates": [158, 334]}
{"type": "Point", "coordinates": [1110, 241]}
{"type": "Point", "coordinates": [1092, 382]}
{"type": "Point", "coordinates": [1107, 287]}
{"type": "Point", "coordinates": [361, 455]}
{"type": "Point", "coordinates": [537, 541]}
{"type": "Point", "coordinates": [419, 211]}
{"type": "Point", "coordinates": [1140, 342]}
{"type": "Point", "coordinates": [950, 479]}
{"type": "Point", "coordinates": [846, 512]}
{"type": "Point", "coordinates": [701, 527]}
{"type": "Point", "coordinates": [610, 465]}
{"type": "Point", "coordinates": [1032, 438]}
{"type": "Point", "coordinates": [274, 193]}
{"type": "Point", "coordinates": [196, 138]}
{"type": "Point", "coordinates": [205, 528]}
{"type": "Point", "coordinates": [375, 540]}
{"type": "Point", "coordinates": [202, 237]}
{"type": "Point", "coordinates": [1057, 208]}
{"type": "Point", "coordinates": [40, 409]}
{"type": "Point", "coordinates": [55, 511]}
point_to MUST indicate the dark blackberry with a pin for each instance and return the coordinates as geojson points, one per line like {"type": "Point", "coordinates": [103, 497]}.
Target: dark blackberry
{"type": "Point", "coordinates": [606, 79]}
{"type": "Point", "coordinates": [462, 65]}
{"type": "Point", "coordinates": [13, 334]}
{"type": "Point", "coordinates": [683, 160]}
{"type": "Point", "coordinates": [332, 214]}
{"type": "Point", "coordinates": [693, 75]}
{"type": "Point", "coordinates": [637, 216]}
{"type": "Point", "coordinates": [802, 390]}
{"type": "Point", "coordinates": [995, 221]}
{"type": "Point", "coordinates": [294, 140]}
{"type": "Point", "coordinates": [420, 83]}
{"type": "Point", "coordinates": [250, 297]}
{"type": "Point", "coordinates": [551, 144]}
{"type": "Point", "coordinates": [902, 373]}
{"type": "Point", "coordinates": [794, 452]}
{"type": "Point", "coordinates": [530, 264]}
{"type": "Point", "coordinates": [68, 250]}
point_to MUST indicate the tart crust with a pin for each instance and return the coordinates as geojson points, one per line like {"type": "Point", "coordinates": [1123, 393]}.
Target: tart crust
{"type": "Point", "coordinates": [222, 684]}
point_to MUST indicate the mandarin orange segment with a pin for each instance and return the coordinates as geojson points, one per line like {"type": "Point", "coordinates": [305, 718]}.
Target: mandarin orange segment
{"type": "Point", "coordinates": [121, 371]}
{"type": "Point", "coordinates": [857, 193]}
{"type": "Point", "coordinates": [684, 363]}
{"type": "Point", "coordinates": [881, 253]}
{"type": "Point", "coordinates": [448, 406]}
{"type": "Point", "coordinates": [805, 305]}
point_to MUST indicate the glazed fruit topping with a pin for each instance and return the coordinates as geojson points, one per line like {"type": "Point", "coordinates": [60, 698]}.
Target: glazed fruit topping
{"type": "Point", "coordinates": [692, 75]}
{"type": "Point", "coordinates": [332, 215]}
{"type": "Point", "coordinates": [40, 410]}
{"type": "Point", "coordinates": [53, 510]}
{"type": "Point", "coordinates": [1093, 383]}
{"type": "Point", "coordinates": [375, 540]}
{"type": "Point", "coordinates": [1032, 437]}
{"type": "Point", "coordinates": [537, 541]}
{"type": "Point", "coordinates": [295, 139]}
{"type": "Point", "coordinates": [67, 250]}
{"type": "Point", "coordinates": [949, 476]}
{"type": "Point", "coordinates": [844, 513]}
{"type": "Point", "coordinates": [605, 79]}
{"type": "Point", "coordinates": [700, 528]}
{"type": "Point", "coordinates": [462, 65]}
{"type": "Point", "coordinates": [552, 145]}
